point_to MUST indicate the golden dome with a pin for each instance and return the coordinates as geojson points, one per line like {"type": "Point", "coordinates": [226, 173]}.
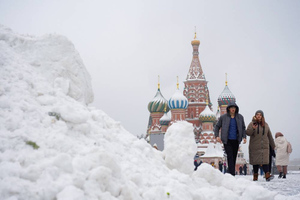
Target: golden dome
{"type": "Point", "coordinates": [195, 42]}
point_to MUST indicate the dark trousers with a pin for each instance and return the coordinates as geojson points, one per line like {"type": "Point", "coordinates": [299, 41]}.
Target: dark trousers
{"type": "Point", "coordinates": [270, 163]}
{"type": "Point", "coordinates": [271, 155]}
{"type": "Point", "coordinates": [231, 149]}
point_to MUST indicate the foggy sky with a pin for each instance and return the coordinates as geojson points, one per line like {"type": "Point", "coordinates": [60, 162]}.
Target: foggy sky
{"type": "Point", "coordinates": [125, 45]}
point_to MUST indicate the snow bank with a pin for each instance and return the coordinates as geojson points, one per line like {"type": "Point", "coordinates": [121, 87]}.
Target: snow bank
{"type": "Point", "coordinates": [53, 146]}
{"type": "Point", "coordinates": [52, 57]}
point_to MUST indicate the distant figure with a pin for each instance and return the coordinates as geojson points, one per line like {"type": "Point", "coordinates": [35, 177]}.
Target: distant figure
{"type": "Point", "coordinates": [245, 169]}
{"type": "Point", "coordinates": [225, 167]}
{"type": "Point", "coordinates": [282, 155]}
{"type": "Point", "coordinates": [197, 164]}
{"type": "Point", "coordinates": [241, 170]}
{"type": "Point", "coordinates": [260, 141]}
{"type": "Point", "coordinates": [232, 127]}
{"type": "Point", "coordinates": [221, 166]}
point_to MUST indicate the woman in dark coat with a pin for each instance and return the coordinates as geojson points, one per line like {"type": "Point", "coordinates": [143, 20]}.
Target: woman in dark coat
{"type": "Point", "coordinates": [260, 141]}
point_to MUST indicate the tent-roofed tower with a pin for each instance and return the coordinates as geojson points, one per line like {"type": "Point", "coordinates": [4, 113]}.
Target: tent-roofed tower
{"type": "Point", "coordinates": [195, 89]}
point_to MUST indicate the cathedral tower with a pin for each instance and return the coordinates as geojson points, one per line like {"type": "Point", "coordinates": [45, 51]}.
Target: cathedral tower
{"type": "Point", "coordinates": [195, 89]}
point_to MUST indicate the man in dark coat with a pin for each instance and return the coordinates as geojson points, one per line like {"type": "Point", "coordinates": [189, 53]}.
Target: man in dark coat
{"type": "Point", "coordinates": [232, 127]}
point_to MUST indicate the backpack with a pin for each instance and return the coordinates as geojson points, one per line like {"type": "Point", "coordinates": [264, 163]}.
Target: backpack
{"type": "Point", "coordinates": [289, 147]}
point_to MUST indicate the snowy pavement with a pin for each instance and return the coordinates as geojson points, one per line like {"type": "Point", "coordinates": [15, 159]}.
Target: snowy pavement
{"type": "Point", "coordinates": [288, 188]}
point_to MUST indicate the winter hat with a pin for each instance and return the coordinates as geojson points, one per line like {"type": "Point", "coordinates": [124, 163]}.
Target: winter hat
{"type": "Point", "coordinates": [261, 112]}
{"type": "Point", "coordinates": [278, 134]}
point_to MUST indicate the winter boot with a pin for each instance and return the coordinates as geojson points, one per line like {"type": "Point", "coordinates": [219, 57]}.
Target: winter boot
{"type": "Point", "coordinates": [280, 175]}
{"type": "Point", "coordinates": [255, 176]}
{"type": "Point", "coordinates": [269, 176]}
{"type": "Point", "coordinates": [284, 176]}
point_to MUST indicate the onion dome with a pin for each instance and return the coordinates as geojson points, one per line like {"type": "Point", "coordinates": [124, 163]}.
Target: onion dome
{"type": "Point", "coordinates": [207, 115]}
{"type": "Point", "coordinates": [165, 119]}
{"type": "Point", "coordinates": [178, 101]}
{"type": "Point", "coordinates": [195, 41]}
{"type": "Point", "coordinates": [158, 103]}
{"type": "Point", "coordinates": [226, 96]}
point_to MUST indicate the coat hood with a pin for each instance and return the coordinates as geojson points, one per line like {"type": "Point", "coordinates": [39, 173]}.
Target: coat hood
{"type": "Point", "coordinates": [232, 104]}
{"type": "Point", "coordinates": [280, 140]}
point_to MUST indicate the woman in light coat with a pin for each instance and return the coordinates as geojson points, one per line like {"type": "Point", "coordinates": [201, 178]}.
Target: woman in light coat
{"type": "Point", "coordinates": [282, 156]}
{"type": "Point", "coordinates": [261, 140]}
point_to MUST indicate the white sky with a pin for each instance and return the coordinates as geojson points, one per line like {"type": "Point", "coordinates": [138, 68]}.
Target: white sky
{"type": "Point", "coordinates": [125, 45]}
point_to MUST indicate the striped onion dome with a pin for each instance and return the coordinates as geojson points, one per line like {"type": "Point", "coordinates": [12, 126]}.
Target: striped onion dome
{"type": "Point", "coordinates": [158, 103]}
{"type": "Point", "coordinates": [178, 101]}
{"type": "Point", "coordinates": [165, 119]}
{"type": "Point", "coordinates": [207, 115]}
{"type": "Point", "coordinates": [226, 96]}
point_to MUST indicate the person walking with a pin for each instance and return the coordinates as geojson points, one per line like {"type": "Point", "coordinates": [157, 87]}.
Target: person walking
{"type": "Point", "coordinates": [220, 165]}
{"type": "Point", "coordinates": [282, 155]}
{"type": "Point", "coordinates": [232, 127]}
{"type": "Point", "coordinates": [260, 141]}
{"type": "Point", "coordinates": [196, 164]}
{"type": "Point", "coordinates": [241, 170]}
{"type": "Point", "coordinates": [245, 169]}
{"type": "Point", "coordinates": [225, 167]}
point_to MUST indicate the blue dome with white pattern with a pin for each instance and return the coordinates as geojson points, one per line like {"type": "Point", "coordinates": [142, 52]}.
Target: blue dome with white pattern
{"type": "Point", "coordinates": [178, 101]}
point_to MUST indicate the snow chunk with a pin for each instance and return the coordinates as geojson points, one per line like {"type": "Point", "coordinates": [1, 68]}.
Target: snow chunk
{"type": "Point", "coordinates": [180, 147]}
{"type": "Point", "coordinates": [70, 193]}
{"type": "Point", "coordinates": [74, 114]}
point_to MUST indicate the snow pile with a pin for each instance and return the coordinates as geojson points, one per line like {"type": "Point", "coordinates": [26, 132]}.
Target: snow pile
{"type": "Point", "coordinates": [52, 57]}
{"type": "Point", "coordinates": [53, 146]}
{"type": "Point", "coordinates": [180, 147]}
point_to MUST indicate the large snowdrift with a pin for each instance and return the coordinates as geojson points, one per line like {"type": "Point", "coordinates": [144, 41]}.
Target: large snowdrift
{"type": "Point", "coordinates": [54, 146]}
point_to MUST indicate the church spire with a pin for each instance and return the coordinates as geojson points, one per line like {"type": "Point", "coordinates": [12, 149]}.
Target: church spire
{"type": "Point", "coordinates": [195, 71]}
{"type": "Point", "coordinates": [158, 83]}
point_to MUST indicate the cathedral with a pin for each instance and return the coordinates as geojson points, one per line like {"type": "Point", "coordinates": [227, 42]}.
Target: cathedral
{"type": "Point", "coordinates": [192, 105]}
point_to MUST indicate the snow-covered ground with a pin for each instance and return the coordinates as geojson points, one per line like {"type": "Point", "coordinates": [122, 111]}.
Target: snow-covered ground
{"type": "Point", "coordinates": [54, 146]}
{"type": "Point", "coordinates": [286, 188]}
